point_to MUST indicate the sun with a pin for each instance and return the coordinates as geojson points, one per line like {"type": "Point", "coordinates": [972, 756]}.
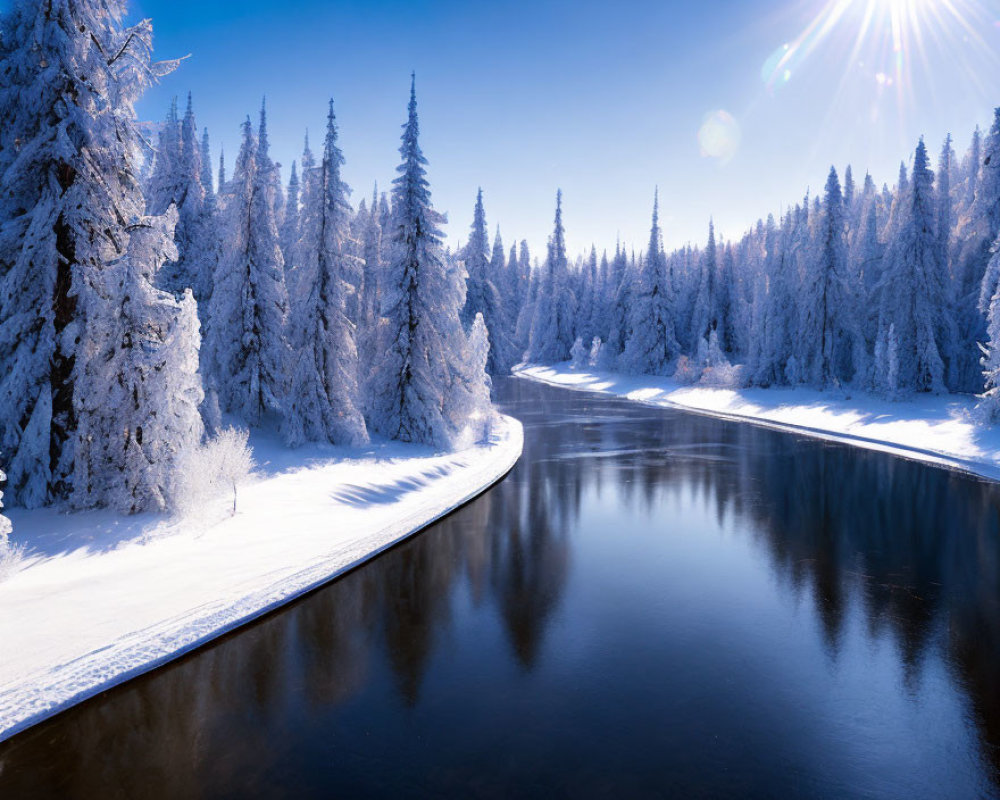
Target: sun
{"type": "Point", "coordinates": [889, 38]}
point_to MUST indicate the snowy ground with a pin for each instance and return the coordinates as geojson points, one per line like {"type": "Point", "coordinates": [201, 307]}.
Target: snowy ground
{"type": "Point", "coordinates": [936, 429]}
{"type": "Point", "coordinates": [103, 598]}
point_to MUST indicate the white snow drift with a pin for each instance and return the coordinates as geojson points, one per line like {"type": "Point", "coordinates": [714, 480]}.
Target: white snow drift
{"type": "Point", "coordinates": [102, 598]}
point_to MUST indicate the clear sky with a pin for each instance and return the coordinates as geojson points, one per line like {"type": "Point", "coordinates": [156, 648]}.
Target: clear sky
{"type": "Point", "coordinates": [732, 107]}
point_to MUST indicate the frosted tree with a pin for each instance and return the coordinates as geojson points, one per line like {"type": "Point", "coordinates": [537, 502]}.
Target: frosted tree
{"type": "Point", "coordinates": [369, 314]}
{"type": "Point", "coordinates": [206, 165]}
{"type": "Point", "coordinates": [138, 388]}
{"type": "Point", "coordinates": [471, 393]}
{"type": "Point", "coordinates": [989, 401]}
{"type": "Point", "coordinates": [886, 372]}
{"type": "Point", "coordinates": [775, 291]}
{"type": "Point", "coordinates": [482, 295]}
{"type": "Point", "coordinates": [324, 402]}
{"type": "Point", "coordinates": [290, 224]}
{"type": "Point", "coordinates": [222, 182]}
{"type": "Point", "coordinates": [588, 306]}
{"type": "Point", "coordinates": [246, 348]}
{"type": "Point", "coordinates": [911, 289]}
{"type": "Point", "coordinates": [166, 184]}
{"type": "Point", "coordinates": [529, 280]}
{"type": "Point", "coordinates": [652, 345]}
{"type": "Point", "coordinates": [985, 218]}
{"type": "Point", "coordinates": [5, 524]}
{"type": "Point", "coordinates": [578, 354]}
{"type": "Point", "coordinates": [828, 318]}
{"type": "Point", "coordinates": [504, 277]}
{"type": "Point", "coordinates": [423, 363]}
{"type": "Point", "coordinates": [69, 185]}
{"type": "Point", "coordinates": [555, 306]}
{"type": "Point", "coordinates": [622, 290]}
{"type": "Point", "coordinates": [705, 317]}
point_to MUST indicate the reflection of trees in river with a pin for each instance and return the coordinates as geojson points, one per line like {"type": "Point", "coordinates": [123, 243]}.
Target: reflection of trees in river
{"type": "Point", "coordinates": [917, 549]}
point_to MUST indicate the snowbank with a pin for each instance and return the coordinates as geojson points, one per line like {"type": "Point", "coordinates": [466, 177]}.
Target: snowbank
{"type": "Point", "coordinates": [104, 598]}
{"type": "Point", "coordinates": [939, 429]}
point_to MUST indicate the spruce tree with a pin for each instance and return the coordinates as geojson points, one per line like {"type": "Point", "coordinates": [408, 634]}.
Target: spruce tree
{"type": "Point", "coordinates": [420, 386]}
{"type": "Point", "coordinates": [911, 287]}
{"type": "Point", "coordinates": [324, 402]}
{"type": "Point", "coordinates": [138, 385]}
{"type": "Point", "coordinates": [652, 345]}
{"type": "Point", "coordinates": [247, 351]}
{"type": "Point", "coordinates": [555, 307]}
{"type": "Point", "coordinates": [69, 194]}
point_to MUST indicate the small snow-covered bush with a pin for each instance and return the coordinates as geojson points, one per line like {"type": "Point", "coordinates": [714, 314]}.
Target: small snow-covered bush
{"type": "Point", "coordinates": [718, 371]}
{"type": "Point", "coordinates": [595, 352]}
{"type": "Point", "coordinates": [11, 554]}
{"type": "Point", "coordinates": [578, 354]}
{"type": "Point", "coordinates": [204, 473]}
{"type": "Point", "coordinates": [724, 376]}
{"type": "Point", "coordinates": [687, 371]}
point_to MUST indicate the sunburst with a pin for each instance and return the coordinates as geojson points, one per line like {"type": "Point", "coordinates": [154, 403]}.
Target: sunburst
{"type": "Point", "coordinates": [892, 39]}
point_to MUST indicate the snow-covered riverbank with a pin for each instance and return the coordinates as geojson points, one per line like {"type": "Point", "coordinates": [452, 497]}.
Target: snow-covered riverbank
{"type": "Point", "coordinates": [103, 598]}
{"type": "Point", "coordinates": [938, 429]}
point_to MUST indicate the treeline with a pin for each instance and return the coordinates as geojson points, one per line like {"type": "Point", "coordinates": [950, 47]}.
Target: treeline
{"type": "Point", "coordinates": [139, 313]}
{"type": "Point", "coordinates": [888, 290]}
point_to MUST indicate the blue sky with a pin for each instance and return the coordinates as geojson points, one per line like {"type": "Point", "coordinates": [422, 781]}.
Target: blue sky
{"type": "Point", "coordinates": [605, 100]}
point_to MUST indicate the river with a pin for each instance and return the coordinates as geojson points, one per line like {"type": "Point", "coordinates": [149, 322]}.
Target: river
{"type": "Point", "coordinates": [651, 604]}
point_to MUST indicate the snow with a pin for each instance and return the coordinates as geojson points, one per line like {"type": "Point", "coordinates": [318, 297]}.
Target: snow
{"type": "Point", "coordinates": [938, 429]}
{"type": "Point", "coordinates": [102, 598]}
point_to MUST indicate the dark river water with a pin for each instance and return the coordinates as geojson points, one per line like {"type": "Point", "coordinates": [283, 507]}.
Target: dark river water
{"type": "Point", "coordinates": [652, 604]}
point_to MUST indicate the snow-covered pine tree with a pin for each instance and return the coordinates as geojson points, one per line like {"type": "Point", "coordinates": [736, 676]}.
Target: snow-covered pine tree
{"type": "Point", "coordinates": [972, 165]}
{"type": "Point", "coordinates": [704, 316]}
{"type": "Point", "coordinates": [166, 184]}
{"type": "Point", "coordinates": [138, 389]}
{"type": "Point", "coordinates": [290, 224]}
{"type": "Point", "coordinates": [555, 306]}
{"type": "Point", "coordinates": [369, 314]}
{"type": "Point", "coordinates": [324, 403]}
{"type": "Point", "coordinates": [776, 290]}
{"type": "Point", "coordinates": [5, 525]}
{"type": "Point", "coordinates": [622, 289]}
{"type": "Point", "coordinates": [578, 354]}
{"type": "Point", "coordinates": [504, 277]}
{"type": "Point", "coordinates": [206, 165]}
{"type": "Point", "coordinates": [588, 298]}
{"type": "Point", "coordinates": [989, 401]}
{"type": "Point", "coordinates": [472, 398]}
{"type": "Point", "coordinates": [68, 187]}
{"type": "Point", "coordinates": [222, 182]}
{"type": "Point", "coordinates": [246, 350]}
{"type": "Point", "coordinates": [413, 384]}
{"type": "Point", "coordinates": [528, 281]}
{"type": "Point", "coordinates": [829, 310]}
{"type": "Point", "coordinates": [482, 295]}
{"type": "Point", "coordinates": [652, 345]}
{"type": "Point", "coordinates": [911, 287]}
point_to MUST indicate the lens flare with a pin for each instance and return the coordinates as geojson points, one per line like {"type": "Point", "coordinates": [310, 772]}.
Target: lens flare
{"type": "Point", "coordinates": [719, 136]}
{"type": "Point", "coordinates": [892, 39]}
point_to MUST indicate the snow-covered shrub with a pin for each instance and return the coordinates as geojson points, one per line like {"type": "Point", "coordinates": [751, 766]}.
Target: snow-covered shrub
{"type": "Point", "coordinates": [578, 354]}
{"type": "Point", "coordinates": [205, 472]}
{"type": "Point", "coordinates": [718, 371]}
{"type": "Point", "coordinates": [10, 554]}
{"type": "Point", "coordinates": [885, 379]}
{"type": "Point", "coordinates": [471, 394]}
{"type": "Point", "coordinates": [687, 371]}
{"type": "Point", "coordinates": [595, 352]}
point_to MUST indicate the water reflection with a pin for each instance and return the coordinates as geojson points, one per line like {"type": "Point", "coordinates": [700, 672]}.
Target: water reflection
{"type": "Point", "coordinates": [480, 634]}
